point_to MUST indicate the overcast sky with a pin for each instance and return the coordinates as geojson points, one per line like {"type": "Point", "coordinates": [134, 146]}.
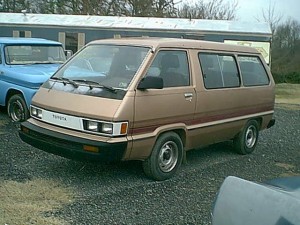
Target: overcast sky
{"type": "Point", "coordinates": [249, 10]}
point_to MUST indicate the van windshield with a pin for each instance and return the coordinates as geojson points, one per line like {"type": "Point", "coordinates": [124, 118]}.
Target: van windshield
{"type": "Point", "coordinates": [111, 67]}
{"type": "Point", "coordinates": [34, 54]}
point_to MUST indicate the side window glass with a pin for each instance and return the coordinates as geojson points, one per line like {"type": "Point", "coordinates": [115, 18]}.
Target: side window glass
{"type": "Point", "coordinates": [172, 67]}
{"type": "Point", "coordinates": [219, 71]}
{"type": "Point", "coordinates": [211, 71]}
{"type": "Point", "coordinates": [253, 71]}
{"type": "Point", "coordinates": [0, 56]}
{"type": "Point", "coordinates": [229, 71]}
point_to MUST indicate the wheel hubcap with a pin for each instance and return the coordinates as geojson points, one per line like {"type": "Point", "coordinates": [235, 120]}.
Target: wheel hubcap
{"type": "Point", "coordinates": [251, 136]}
{"type": "Point", "coordinates": [17, 111]}
{"type": "Point", "coordinates": [168, 156]}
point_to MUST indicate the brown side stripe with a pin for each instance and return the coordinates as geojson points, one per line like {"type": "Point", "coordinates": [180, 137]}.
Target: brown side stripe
{"type": "Point", "coordinates": [142, 130]}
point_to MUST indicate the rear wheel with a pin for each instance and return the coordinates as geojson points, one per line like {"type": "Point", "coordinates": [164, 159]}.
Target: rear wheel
{"type": "Point", "coordinates": [246, 140]}
{"type": "Point", "coordinates": [166, 157]}
{"type": "Point", "coordinates": [17, 109]}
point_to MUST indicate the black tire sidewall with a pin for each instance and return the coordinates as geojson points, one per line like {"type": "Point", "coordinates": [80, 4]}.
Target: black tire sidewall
{"type": "Point", "coordinates": [151, 166]}
{"type": "Point", "coordinates": [239, 142]}
{"type": "Point", "coordinates": [20, 99]}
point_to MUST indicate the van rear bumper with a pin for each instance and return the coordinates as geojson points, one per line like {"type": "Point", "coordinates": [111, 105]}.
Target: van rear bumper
{"type": "Point", "coordinates": [69, 146]}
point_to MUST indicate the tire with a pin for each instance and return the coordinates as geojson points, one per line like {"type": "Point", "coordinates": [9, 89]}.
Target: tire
{"type": "Point", "coordinates": [246, 140]}
{"type": "Point", "coordinates": [166, 157]}
{"type": "Point", "coordinates": [17, 108]}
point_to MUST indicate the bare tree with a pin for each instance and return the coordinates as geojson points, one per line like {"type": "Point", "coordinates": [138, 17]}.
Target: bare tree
{"type": "Point", "coordinates": [152, 8]}
{"type": "Point", "coordinates": [287, 34]}
{"type": "Point", "coordinates": [13, 5]}
{"type": "Point", "coordinates": [213, 9]}
{"type": "Point", "coordinates": [76, 7]}
{"type": "Point", "coordinates": [138, 7]}
{"type": "Point", "coordinates": [271, 16]}
{"type": "Point", "coordinates": [164, 8]}
{"type": "Point", "coordinates": [286, 52]}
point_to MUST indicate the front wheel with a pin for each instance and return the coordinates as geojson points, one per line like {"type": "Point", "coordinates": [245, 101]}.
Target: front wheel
{"type": "Point", "coordinates": [246, 140]}
{"type": "Point", "coordinates": [166, 157]}
{"type": "Point", "coordinates": [17, 109]}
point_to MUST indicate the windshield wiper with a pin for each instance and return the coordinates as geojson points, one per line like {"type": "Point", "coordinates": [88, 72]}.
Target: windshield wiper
{"type": "Point", "coordinates": [64, 80]}
{"type": "Point", "coordinates": [93, 84]}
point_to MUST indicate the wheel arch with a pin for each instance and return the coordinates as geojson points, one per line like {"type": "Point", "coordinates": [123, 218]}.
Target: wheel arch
{"type": "Point", "coordinates": [181, 132]}
{"type": "Point", "coordinates": [11, 92]}
{"type": "Point", "coordinates": [259, 120]}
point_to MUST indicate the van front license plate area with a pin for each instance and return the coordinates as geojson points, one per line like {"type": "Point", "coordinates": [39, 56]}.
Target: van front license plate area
{"type": "Point", "coordinates": [62, 120]}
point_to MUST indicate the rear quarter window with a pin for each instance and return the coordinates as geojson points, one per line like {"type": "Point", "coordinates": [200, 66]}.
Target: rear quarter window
{"type": "Point", "coordinates": [252, 71]}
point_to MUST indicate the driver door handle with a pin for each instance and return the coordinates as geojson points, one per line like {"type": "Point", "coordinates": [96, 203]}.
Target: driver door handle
{"type": "Point", "coordinates": [188, 96]}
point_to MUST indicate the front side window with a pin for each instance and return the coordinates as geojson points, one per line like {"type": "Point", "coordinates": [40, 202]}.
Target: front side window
{"type": "Point", "coordinates": [34, 54]}
{"type": "Point", "coordinates": [253, 71]}
{"type": "Point", "coordinates": [172, 67]}
{"type": "Point", "coordinates": [219, 71]}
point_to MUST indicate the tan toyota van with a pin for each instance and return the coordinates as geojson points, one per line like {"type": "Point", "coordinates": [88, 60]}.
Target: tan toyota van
{"type": "Point", "coordinates": [152, 99]}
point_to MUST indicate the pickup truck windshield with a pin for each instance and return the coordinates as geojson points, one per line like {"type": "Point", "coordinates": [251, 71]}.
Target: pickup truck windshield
{"type": "Point", "coordinates": [34, 54]}
{"type": "Point", "coordinates": [111, 67]}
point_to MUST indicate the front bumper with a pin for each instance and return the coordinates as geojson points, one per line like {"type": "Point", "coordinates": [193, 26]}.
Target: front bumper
{"type": "Point", "coordinates": [69, 146]}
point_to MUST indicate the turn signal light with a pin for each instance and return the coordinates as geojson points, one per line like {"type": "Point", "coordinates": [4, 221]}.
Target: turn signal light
{"type": "Point", "coordinates": [124, 128]}
{"type": "Point", "coordinates": [25, 130]}
{"type": "Point", "coordinates": [89, 148]}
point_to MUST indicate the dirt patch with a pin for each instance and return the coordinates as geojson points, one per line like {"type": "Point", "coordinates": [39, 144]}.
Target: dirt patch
{"type": "Point", "coordinates": [32, 202]}
{"type": "Point", "coordinates": [285, 166]}
{"type": "Point", "coordinates": [289, 169]}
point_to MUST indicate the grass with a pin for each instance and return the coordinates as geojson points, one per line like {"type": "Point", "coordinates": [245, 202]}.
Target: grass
{"type": "Point", "coordinates": [288, 95]}
{"type": "Point", "coordinates": [32, 202]}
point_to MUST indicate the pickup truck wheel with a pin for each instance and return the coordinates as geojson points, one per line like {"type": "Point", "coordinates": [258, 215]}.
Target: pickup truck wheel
{"type": "Point", "coordinates": [166, 157]}
{"type": "Point", "coordinates": [246, 140]}
{"type": "Point", "coordinates": [17, 109]}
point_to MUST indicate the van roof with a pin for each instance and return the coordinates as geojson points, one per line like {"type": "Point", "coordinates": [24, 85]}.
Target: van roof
{"type": "Point", "coordinates": [176, 43]}
{"type": "Point", "coordinates": [18, 40]}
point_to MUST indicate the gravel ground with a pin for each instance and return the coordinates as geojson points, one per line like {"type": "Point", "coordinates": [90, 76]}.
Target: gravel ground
{"type": "Point", "coordinates": [120, 193]}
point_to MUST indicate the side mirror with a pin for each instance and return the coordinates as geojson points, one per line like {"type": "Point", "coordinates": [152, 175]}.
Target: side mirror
{"type": "Point", "coordinates": [151, 82]}
{"type": "Point", "coordinates": [68, 53]}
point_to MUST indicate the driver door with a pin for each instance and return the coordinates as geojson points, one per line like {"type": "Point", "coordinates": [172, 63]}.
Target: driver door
{"type": "Point", "coordinates": [174, 104]}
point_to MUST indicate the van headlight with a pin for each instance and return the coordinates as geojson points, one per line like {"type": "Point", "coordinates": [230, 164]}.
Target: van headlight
{"type": "Point", "coordinates": [36, 112]}
{"type": "Point", "coordinates": [106, 128]}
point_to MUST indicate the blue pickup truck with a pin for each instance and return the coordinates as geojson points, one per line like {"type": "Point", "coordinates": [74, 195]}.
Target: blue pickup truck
{"type": "Point", "coordinates": [25, 64]}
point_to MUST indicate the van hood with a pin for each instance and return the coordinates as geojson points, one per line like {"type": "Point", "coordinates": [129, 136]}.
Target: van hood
{"type": "Point", "coordinates": [32, 75]}
{"type": "Point", "coordinates": [75, 104]}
